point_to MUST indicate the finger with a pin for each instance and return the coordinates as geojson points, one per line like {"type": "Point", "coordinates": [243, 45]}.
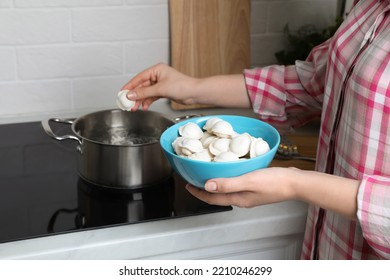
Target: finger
{"type": "Point", "coordinates": [136, 106]}
{"type": "Point", "coordinates": [147, 103]}
{"type": "Point", "coordinates": [141, 79]}
{"type": "Point", "coordinates": [145, 84]}
{"type": "Point", "coordinates": [144, 97]}
{"type": "Point", "coordinates": [145, 92]}
{"type": "Point", "coordinates": [144, 78]}
{"type": "Point", "coordinates": [227, 185]}
{"type": "Point", "coordinates": [143, 104]}
{"type": "Point", "coordinates": [209, 198]}
{"type": "Point", "coordinates": [241, 199]}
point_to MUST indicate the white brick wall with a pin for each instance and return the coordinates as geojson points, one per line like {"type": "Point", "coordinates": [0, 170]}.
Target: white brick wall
{"type": "Point", "coordinates": [58, 55]}
{"type": "Point", "coordinates": [69, 61]}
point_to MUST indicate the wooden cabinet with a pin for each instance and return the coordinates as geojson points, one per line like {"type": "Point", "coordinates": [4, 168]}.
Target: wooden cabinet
{"type": "Point", "coordinates": [209, 37]}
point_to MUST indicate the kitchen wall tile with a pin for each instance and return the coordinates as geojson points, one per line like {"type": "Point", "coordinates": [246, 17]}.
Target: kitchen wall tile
{"type": "Point", "coordinates": [35, 97]}
{"type": "Point", "coordinates": [130, 23]}
{"type": "Point", "coordinates": [259, 16]}
{"type": "Point", "coordinates": [33, 27]}
{"type": "Point", "coordinates": [146, 2]}
{"type": "Point", "coordinates": [5, 4]}
{"type": "Point", "coordinates": [264, 48]}
{"type": "Point", "coordinates": [8, 64]}
{"type": "Point", "coordinates": [299, 13]}
{"type": "Point", "coordinates": [97, 93]}
{"type": "Point", "coordinates": [66, 3]}
{"type": "Point", "coordinates": [69, 61]}
{"type": "Point", "coordinates": [142, 54]}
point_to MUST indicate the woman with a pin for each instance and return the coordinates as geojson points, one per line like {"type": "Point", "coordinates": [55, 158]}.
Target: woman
{"type": "Point", "coordinates": [347, 79]}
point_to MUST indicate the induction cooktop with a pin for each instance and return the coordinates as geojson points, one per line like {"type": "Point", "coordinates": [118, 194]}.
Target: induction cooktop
{"type": "Point", "coordinates": [41, 193]}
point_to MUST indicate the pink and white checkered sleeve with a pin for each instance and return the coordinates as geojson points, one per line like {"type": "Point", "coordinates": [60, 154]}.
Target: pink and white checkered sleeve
{"type": "Point", "coordinates": [373, 208]}
{"type": "Point", "coordinates": [289, 96]}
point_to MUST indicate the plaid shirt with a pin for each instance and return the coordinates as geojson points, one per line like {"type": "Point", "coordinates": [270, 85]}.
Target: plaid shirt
{"type": "Point", "coordinates": [346, 80]}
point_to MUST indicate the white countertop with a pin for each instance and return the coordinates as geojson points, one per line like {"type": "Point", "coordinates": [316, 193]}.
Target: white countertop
{"type": "Point", "coordinates": [176, 238]}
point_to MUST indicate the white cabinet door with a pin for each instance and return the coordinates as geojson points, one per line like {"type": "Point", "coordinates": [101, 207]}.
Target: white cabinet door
{"type": "Point", "coordinates": [280, 248]}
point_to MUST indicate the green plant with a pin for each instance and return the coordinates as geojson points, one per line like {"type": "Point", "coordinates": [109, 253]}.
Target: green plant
{"type": "Point", "coordinates": [302, 42]}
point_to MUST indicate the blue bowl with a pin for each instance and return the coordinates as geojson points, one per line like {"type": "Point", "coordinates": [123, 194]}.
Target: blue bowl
{"type": "Point", "coordinates": [198, 172]}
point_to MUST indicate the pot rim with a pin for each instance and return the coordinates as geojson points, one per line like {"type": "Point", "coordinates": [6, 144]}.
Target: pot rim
{"type": "Point", "coordinates": [76, 136]}
{"type": "Point", "coordinates": [83, 138]}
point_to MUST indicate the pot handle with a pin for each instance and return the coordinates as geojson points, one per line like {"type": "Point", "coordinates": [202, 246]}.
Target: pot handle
{"type": "Point", "coordinates": [49, 131]}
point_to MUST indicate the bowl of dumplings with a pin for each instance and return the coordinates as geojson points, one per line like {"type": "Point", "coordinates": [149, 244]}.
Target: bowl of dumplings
{"type": "Point", "coordinates": [218, 146]}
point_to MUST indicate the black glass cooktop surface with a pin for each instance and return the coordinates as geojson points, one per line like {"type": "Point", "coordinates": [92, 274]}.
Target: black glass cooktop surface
{"type": "Point", "coordinates": [42, 194]}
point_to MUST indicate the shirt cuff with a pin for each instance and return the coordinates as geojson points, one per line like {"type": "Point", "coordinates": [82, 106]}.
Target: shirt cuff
{"type": "Point", "coordinates": [374, 212]}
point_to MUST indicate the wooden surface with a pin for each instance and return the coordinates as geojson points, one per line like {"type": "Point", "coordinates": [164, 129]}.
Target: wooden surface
{"type": "Point", "coordinates": [307, 146]}
{"type": "Point", "coordinates": [209, 37]}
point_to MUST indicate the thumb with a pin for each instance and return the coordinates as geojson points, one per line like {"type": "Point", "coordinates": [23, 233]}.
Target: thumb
{"type": "Point", "coordinates": [225, 185]}
{"type": "Point", "coordinates": [143, 93]}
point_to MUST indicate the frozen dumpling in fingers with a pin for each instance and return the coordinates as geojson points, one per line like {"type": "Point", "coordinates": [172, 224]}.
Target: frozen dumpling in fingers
{"type": "Point", "coordinates": [123, 102]}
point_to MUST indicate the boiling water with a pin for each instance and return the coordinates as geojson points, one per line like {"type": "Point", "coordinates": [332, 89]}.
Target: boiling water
{"type": "Point", "coordinates": [124, 137]}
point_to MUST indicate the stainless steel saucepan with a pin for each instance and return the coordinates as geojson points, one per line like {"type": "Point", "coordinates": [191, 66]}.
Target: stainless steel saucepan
{"type": "Point", "coordinates": [117, 148]}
